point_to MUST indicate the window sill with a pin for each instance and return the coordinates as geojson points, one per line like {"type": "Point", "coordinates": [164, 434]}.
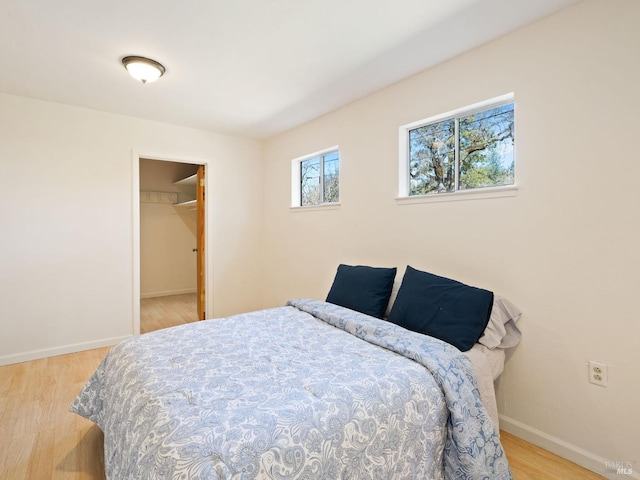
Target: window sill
{"type": "Point", "coordinates": [495, 192]}
{"type": "Point", "coordinates": [313, 208]}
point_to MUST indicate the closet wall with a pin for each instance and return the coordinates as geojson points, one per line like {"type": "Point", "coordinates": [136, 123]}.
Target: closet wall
{"type": "Point", "coordinates": [167, 232]}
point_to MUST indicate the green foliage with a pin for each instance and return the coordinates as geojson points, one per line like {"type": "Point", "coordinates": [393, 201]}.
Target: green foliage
{"type": "Point", "coordinates": [432, 163]}
{"type": "Point", "coordinates": [485, 152]}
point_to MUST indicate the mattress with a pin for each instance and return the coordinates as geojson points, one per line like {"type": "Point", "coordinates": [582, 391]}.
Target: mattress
{"type": "Point", "coordinates": [306, 391]}
{"type": "Point", "coordinates": [487, 366]}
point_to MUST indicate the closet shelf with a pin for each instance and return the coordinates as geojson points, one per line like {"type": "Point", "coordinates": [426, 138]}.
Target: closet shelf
{"type": "Point", "coordinates": [187, 186]}
{"type": "Point", "coordinates": [192, 204]}
{"type": "Point", "coordinates": [187, 182]}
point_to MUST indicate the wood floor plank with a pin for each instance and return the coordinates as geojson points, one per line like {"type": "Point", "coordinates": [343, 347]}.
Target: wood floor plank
{"type": "Point", "coordinates": [529, 462]}
{"type": "Point", "coordinates": [163, 312]}
{"type": "Point", "coordinates": [17, 456]}
{"type": "Point", "coordinates": [40, 463]}
{"type": "Point", "coordinates": [79, 455]}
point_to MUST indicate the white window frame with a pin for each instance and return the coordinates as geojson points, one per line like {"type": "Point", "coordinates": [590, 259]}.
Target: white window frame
{"type": "Point", "coordinates": [403, 159]}
{"type": "Point", "coordinates": [295, 181]}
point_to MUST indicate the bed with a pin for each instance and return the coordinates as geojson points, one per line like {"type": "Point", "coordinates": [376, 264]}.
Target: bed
{"type": "Point", "coordinates": [310, 390]}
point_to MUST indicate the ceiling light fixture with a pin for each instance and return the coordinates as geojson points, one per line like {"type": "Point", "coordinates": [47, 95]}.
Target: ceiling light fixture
{"type": "Point", "coordinates": [143, 69]}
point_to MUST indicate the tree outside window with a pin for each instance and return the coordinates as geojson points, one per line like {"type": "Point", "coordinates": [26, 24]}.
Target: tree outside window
{"type": "Point", "coordinates": [468, 151]}
{"type": "Point", "coordinates": [319, 179]}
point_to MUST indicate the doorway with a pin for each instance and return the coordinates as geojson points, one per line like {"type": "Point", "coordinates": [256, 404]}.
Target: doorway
{"type": "Point", "coordinates": [169, 251]}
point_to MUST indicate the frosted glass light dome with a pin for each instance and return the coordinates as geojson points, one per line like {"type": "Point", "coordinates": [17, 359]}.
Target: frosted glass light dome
{"type": "Point", "coordinates": [143, 69]}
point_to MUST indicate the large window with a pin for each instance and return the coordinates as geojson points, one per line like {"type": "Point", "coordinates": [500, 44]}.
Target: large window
{"type": "Point", "coordinates": [469, 149]}
{"type": "Point", "coordinates": [317, 178]}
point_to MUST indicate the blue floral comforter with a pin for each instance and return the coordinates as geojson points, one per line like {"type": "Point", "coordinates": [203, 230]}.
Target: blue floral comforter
{"type": "Point", "coordinates": [306, 391]}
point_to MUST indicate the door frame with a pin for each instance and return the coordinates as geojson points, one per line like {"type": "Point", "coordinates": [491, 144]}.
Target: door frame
{"type": "Point", "coordinates": [208, 276]}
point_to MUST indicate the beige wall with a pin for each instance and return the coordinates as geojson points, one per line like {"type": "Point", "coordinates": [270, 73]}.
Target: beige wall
{"type": "Point", "coordinates": [66, 249]}
{"type": "Point", "coordinates": [167, 238]}
{"type": "Point", "coordinates": [565, 249]}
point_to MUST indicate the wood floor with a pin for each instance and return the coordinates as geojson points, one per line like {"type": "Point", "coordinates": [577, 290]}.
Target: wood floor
{"type": "Point", "coordinates": [529, 462]}
{"type": "Point", "coordinates": [163, 312]}
{"type": "Point", "coordinates": [41, 440]}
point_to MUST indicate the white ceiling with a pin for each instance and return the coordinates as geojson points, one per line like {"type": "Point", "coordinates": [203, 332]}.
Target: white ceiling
{"type": "Point", "coordinates": [245, 67]}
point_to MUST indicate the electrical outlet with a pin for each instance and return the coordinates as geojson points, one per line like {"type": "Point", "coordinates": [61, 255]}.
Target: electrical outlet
{"type": "Point", "coordinates": [598, 373]}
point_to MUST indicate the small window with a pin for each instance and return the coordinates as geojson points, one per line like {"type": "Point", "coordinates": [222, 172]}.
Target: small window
{"type": "Point", "coordinates": [470, 149]}
{"type": "Point", "coordinates": [316, 179]}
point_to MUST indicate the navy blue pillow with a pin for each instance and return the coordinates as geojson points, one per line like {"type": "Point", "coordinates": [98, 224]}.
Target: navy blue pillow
{"type": "Point", "coordinates": [364, 289]}
{"type": "Point", "coordinates": [443, 308]}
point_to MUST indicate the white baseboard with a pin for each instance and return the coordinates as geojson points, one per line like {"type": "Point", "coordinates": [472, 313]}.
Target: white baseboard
{"type": "Point", "coordinates": [166, 293]}
{"type": "Point", "coordinates": [574, 454]}
{"type": "Point", "coordinates": [63, 350]}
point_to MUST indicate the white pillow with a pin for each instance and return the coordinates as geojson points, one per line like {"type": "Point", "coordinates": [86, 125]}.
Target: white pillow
{"type": "Point", "coordinates": [501, 331]}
